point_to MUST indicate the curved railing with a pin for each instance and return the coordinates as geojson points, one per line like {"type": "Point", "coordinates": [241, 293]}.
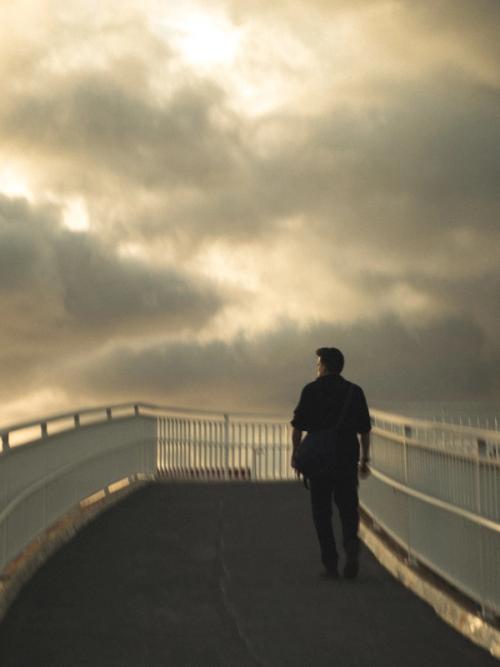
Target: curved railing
{"type": "Point", "coordinates": [434, 488]}
{"type": "Point", "coordinates": [48, 467]}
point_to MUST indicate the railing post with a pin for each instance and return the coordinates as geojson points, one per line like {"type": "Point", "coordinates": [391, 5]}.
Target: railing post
{"type": "Point", "coordinates": [5, 441]}
{"type": "Point", "coordinates": [226, 445]}
{"type": "Point", "coordinates": [481, 451]}
{"type": "Point", "coordinates": [77, 421]}
{"type": "Point", "coordinates": [109, 414]}
{"type": "Point", "coordinates": [481, 447]}
{"type": "Point", "coordinates": [43, 427]}
{"type": "Point", "coordinates": [266, 450]}
{"type": "Point", "coordinates": [136, 410]}
{"type": "Point", "coordinates": [254, 450]}
{"type": "Point", "coordinates": [408, 433]}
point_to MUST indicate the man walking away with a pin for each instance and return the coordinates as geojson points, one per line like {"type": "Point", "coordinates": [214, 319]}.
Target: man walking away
{"type": "Point", "coordinates": [321, 404]}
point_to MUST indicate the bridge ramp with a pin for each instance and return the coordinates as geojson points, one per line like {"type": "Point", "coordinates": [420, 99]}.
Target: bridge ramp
{"type": "Point", "coordinates": [217, 574]}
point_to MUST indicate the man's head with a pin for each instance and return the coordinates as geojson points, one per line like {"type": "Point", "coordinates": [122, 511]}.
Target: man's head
{"type": "Point", "coordinates": [330, 360]}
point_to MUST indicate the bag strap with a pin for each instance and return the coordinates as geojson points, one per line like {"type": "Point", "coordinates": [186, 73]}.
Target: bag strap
{"type": "Point", "coordinates": [343, 411]}
{"type": "Point", "coordinates": [345, 406]}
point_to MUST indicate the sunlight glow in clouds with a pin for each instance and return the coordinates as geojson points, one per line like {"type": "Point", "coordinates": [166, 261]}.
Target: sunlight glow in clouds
{"type": "Point", "coordinates": [76, 216]}
{"type": "Point", "coordinates": [229, 266]}
{"type": "Point", "coordinates": [257, 70]}
{"type": "Point", "coordinates": [203, 39]}
{"type": "Point", "coordinates": [13, 184]}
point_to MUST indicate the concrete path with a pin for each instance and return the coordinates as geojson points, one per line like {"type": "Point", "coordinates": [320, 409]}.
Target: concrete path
{"type": "Point", "coordinates": [217, 574]}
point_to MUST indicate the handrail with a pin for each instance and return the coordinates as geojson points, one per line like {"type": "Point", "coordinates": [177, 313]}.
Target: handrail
{"type": "Point", "coordinates": [476, 431]}
{"type": "Point", "coordinates": [223, 413]}
{"type": "Point", "coordinates": [437, 502]}
{"type": "Point", "coordinates": [58, 416]}
{"type": "Point", "coordinates": [432, 447]}
{"type": "Point", "coordinates": [43, 480]}
{"type": "Point", "coordinates": [406, 421]}
{"type": "Point", "coordinates": [6, 431]}
{"type": "Point", "coordinates": [73, 414]}
{"type": "Point", "coordinates": [29, 491]}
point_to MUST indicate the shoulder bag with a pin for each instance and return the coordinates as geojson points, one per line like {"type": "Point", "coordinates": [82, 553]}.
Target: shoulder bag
{"type": "Point", "coordinates": [316, 453]}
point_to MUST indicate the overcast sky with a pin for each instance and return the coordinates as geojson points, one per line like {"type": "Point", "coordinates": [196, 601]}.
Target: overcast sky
{"type": "Point", "coordinates": [194, 196]}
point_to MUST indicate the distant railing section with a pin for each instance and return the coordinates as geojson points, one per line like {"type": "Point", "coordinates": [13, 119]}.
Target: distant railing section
{"type": "Point", "coordinates": [442, 435]}
{"type": "Point", "coordinates": [471, 414]}
{"type": "Point", "coordinates": [474, 421]}
{"type": "Point", "coordinates": [434, 488]}
{"type": "Point", "coordinates": [30, 431]}
{"type": "Point", "coordinates": [224, 448]}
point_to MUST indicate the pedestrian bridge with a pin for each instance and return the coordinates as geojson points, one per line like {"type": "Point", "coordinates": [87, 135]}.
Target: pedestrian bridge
{"type": "Point", "coordinates": [213, 560]}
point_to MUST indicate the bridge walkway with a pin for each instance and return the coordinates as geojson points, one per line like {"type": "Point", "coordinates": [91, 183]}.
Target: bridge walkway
{"type": "Point", "coordinates": [217, 574]}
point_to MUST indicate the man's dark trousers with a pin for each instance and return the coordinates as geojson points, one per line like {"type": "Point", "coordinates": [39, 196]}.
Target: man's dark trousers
{"type": "Point", "coordinates": [344, 489]}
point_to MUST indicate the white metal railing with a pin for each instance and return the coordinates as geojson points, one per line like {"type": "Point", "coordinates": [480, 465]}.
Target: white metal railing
{"type": "Point", "coordinates": [477, 415]}
{"type": "Point", "coordinates": [435, 487]}
{"type": "Point", "coordinates": [44, 478]}
{"type": "Point", "coordinates": [224, 447]}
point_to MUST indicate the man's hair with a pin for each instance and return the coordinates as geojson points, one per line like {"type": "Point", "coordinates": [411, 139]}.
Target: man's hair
{"type": "Point", "coordinates": [332, 358]}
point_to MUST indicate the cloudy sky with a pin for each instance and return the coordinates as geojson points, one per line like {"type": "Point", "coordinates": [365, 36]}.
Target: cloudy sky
{"type": "Point", "coordinates": [195, 195]}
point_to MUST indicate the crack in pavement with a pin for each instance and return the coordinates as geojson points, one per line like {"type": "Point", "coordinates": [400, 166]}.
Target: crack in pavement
{"type": "Point", "coordinates": [224, 581]}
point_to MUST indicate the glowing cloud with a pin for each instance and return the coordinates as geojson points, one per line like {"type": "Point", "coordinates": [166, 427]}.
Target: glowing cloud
{"type": "Point", "coordinates": [202, 39]}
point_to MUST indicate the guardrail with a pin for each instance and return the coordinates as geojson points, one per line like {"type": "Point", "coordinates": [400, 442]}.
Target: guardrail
{"type": "Point", "coordinates": [224, 447]}
{"type": "Point", "coordinates": [434, 488]}
{"type": "Point", "coordinates": [63, 460]}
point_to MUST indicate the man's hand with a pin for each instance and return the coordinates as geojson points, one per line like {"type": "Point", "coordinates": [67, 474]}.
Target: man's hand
{"type": "Point", "coordinates": [296, 438]}
{"type": "Point", "coordinates": [292, 464]}
{"type": "Point", "coordinates": [364, 469]}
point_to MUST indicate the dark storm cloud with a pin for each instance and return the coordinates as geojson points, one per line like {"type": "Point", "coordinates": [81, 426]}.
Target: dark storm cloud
{"type": "Point", "coordinates": [63, 292]}
{"type": "Point", "coordinates": [430, 146]}
{"type": "Point", "coordinates": [93, 122]}
{"type": "Point", "coordinates": [451, 358]}
{"type": "Point", "coordinates": [426, 160]}
{"type": "Point", "coordinates": [473, 24]}
{"type": "Point", "coordinates": [474, 297]}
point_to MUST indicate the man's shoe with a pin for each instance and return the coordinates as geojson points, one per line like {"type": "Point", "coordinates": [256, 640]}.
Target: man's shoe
{"type": "Point", "coordinates": [351, 569]}
{"type": "Point", "coordinates": [331, 568]}
{"type": "Point", "coordinates": [330, 573]}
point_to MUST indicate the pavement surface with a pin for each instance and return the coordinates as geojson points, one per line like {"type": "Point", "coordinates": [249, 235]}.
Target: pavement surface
{"type": "Point", "coordinates": [218, 575]}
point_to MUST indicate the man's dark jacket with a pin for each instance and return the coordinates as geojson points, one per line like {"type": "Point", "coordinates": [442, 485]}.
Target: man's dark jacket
{"type": "Point", "coordinates": [319, 408]}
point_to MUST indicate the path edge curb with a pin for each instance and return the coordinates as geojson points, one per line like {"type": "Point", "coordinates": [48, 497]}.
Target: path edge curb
{"type": "Point", "coordinates": [22, 568]}
{"type": "Point", "coordinates": [469, 624]}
